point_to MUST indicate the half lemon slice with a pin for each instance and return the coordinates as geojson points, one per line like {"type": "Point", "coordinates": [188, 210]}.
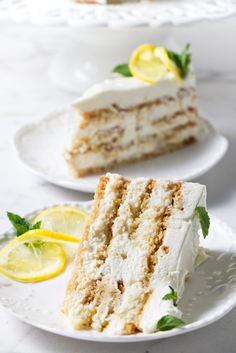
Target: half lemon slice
{"type": "Point", "coordinates": [34, 256]}
{"type": "Point", "coordinates": [63, 219]}
{"type": "Point", "coordinates": [151, 64]}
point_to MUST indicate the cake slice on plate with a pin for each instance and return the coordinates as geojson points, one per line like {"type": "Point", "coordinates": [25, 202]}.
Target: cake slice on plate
{"type": "Point", "coordinates": [140, 244]}
{"type": "Point", "coordinates": [148, 112]}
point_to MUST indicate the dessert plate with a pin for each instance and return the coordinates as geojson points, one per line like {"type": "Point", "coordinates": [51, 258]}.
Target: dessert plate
{"type": "Point", "coordinates": [209, 295]}
{"type": "Point", "coordinates": [41, 146]}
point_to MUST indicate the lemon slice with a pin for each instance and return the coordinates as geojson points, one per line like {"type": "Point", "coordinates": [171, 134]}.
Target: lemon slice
{"type": "Point", "coordinates": [151, 64]}
{"type": "Point", "coordinates": [34, 256]}
{"type": "Point", "coordinates": [64, 219]}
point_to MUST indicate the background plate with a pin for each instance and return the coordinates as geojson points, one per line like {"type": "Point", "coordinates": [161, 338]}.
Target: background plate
{"type": "Point", "coordinates": [41, 146]}
{"type": "Point", "coordinates": [209, 295]}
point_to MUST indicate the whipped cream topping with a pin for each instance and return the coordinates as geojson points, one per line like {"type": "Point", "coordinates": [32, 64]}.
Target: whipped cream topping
{"type": "Point", "coordinates": [184, 255]}
{"type": "Point", "coordinates": [128, 91]}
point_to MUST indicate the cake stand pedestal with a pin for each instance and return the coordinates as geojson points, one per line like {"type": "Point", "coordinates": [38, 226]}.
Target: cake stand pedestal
{"type": "Point", "coordinates": [91, 54]}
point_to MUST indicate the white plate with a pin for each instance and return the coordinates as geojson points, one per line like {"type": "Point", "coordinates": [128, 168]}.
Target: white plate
{"type": "Point", "coordinates": [41, 145]}
{"type": "Point", "coordinates": [209, 295]}
{"type": "Point", "coordinates": [132, 14]}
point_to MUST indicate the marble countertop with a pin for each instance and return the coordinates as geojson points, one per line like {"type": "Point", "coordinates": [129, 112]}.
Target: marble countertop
{"type": "Point", "coordinates": [26, 93]}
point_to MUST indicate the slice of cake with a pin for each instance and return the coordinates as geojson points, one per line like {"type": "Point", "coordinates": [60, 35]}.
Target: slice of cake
{"type": "Point", "coordinates": [126, 119]}
{"type": "Point", "coordinates": [140, 244]}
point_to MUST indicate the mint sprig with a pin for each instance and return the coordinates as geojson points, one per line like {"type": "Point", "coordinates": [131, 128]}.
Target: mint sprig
{"type": "Point", "coordinates": [204, 220]}
{"type": "Point", "coordinates": [168, 322]}
{"type": "Point", "coordinates": [182, 60]}
{"type": "Point", "coordinates": [171, 296]}
{"type": "Point", "coordinates": [123, 70]}
{"type": "Point", "coordinates": [20, 224]}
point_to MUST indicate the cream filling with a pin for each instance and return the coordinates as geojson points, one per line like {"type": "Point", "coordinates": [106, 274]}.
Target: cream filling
{"type": "Point", "coordinates": [135, 267]}
{"type": "Point", "coordinates": [124, 124]}
{"type": "Point", "coordinates": [114, 265]}
{"type": "Point", "coordinates": [164, 127]}
{"type": "Point", "coordinates": [130, 129]}
{"type": "Point", "coordinates": [126, 92]}
{"type": "Point", "coordinates": [172, 268]}
{"type": "Point", "coordinates": [149, 145]}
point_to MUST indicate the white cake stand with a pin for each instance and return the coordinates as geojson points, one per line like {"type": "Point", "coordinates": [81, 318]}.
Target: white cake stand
{"type": "Point", "coordinates": [102, 36]}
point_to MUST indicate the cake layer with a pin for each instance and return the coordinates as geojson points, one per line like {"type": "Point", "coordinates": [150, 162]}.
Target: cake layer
{"type": "Point", "coordinates": [144, 147]}
{"type": "Point", "coordinates": [92, 251]}
{"type": "Point", "coordinates": [130, 130]}
{"type": "Point", "coordinates": [142, 237]}
{"type": "Point", "coordinates": [167, 104]}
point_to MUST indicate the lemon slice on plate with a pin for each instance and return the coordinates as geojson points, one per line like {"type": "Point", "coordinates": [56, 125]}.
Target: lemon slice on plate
{"type": "Point", "coordinates": [151, 64]}
{"type": "Point", "coordinates": [34, 256]}
{"type": "Point", "coordinates": [63, 219]}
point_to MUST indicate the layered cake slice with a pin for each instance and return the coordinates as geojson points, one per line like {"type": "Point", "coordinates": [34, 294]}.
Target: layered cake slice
{"type": "Point", "coordinates": [140, 244]}
{"type": "Point", "coordinates": [126, 119]}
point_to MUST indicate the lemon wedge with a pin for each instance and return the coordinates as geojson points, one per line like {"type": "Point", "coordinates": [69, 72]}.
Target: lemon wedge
{"type": "Point", "coordinates": [34, 256]}
{"type": "Point", "coordinates": [63, 219]}
{"type": "Point", "coordinates": [151, 64]}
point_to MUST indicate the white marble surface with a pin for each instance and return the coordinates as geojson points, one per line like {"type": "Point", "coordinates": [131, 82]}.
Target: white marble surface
{"type": "Point", "coordinates": [26, 92]}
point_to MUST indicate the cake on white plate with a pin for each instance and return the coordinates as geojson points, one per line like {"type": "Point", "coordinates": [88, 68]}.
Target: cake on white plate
{"type": "Point", "coordinates": [140, 244]}
{"type": "Point", "coordinates": [138, 115]}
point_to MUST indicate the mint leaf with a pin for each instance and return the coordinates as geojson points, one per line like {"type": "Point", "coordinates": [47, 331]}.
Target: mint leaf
{"type": "Point", "coordinates": [37, 225]}
{"type": "Point", "coordinates": [123, 70]}
{"type": "Point", "coordinates": [204, 220]}
{"type": "Point", "coordinates": [182, 60]}
{"type": "Point", "coordinates": [168, 322]}
{"type": "Point", "coordinates": [20, 224]}
{"type": "Point", "coordinates": [171, 296]}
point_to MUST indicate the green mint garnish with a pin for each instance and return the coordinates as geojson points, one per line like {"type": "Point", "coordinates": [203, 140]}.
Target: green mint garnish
{"type": "Point", "coordinates": [204, 220]}
{"type": "Point", "coordinates": [20, 224]}
{"type": "Point", "coordinates": [123, 70]}
{"type": "Point", "coordinates": [182, 60]}
{"type": "Point", "coordinates": [168, 322]}
{"type": "Point", "coordinates": [171, 296]}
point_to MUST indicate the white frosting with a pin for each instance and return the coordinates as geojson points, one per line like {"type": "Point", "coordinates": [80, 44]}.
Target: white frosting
{"type": "Point", "coordinates": [182, 239]}
{"type": "Point", "coordinates": [127, 92]}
